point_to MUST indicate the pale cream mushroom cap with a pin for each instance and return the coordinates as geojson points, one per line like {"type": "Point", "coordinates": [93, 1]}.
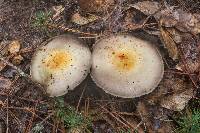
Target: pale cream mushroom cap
{"type": "Point", "coordinates": [61, 64]}
{"type": "Point", "coordinates": [126, 66]}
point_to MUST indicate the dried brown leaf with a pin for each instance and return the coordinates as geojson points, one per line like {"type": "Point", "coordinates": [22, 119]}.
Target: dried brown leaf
{"type": "Point", "coordinates": [177, 101]}
{"type": "Point", "coordinates": [182, 20]}
{"type": "Point", "coordinates": [95, 5]}
{"type": "Point", "coordinates": [173, 93]}
{"type": "Point", "coordinates": [197, 24]}
{"type": "Point", "coordinates": [5, 84]}
{"type": "Point", "coordinates": [169, 43]}
{"type": "Point", "coordinates": [147, 7]}
{"type": "Point", "coordinates": [14, 47]}
{"type": "Point", "coordinates": [171, 84]}
{"type": "Point", "coordinates": [188, 22]}
{"type": "Point", "coordinates": [190, 53]}
{"type": "Point", "coordinates": [175, 35]}
{"type": "Point", "coordinates": [2, 65]}
{"type": "Point", "coordinates": [153, 117]}
{"type": "Point", "coordinates": [168, 17]}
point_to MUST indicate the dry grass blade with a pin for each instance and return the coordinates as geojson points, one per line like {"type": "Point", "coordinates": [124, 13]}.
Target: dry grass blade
{"type": "Point", "coordinates": [7, 118]}
{"type": "Point", "coordinates": [71, 30]}
{"type": "Point", "coordinates": [81, 96]}
{"type": "Point", "coordinates": [115, 117]}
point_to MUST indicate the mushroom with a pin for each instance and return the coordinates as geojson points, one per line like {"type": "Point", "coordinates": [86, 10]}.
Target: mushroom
{"type": "Point", "coordinates": [126, 66]}
{"type": "Point", "coordinates": [61, 64]}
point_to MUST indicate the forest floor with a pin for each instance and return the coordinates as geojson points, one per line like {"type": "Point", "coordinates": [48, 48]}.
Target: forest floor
{"type": "Point", "coordinates": [172, 25]}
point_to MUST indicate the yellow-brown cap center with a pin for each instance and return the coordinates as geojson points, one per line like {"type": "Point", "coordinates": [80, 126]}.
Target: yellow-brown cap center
{"type": "Point", "coordinates": [58, 60]}
{"type": "Point", "coordinates": [124, 60]}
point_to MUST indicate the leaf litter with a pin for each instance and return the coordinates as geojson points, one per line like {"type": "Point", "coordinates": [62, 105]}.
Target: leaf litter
{"type": "Point", "coordinates": [177, 29]}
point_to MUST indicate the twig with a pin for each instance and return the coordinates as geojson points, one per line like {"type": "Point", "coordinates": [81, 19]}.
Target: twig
{"type": "Point", "coordinates": [142, 119]}
{"type": "Point", "coordinates": [15, 117]}
{"type": "Point", "coordinates": [47, 118]}
{"type": "Point", "coordinates": [178, 72]}
{"type": "Point", "coordinates": [138, 125]}
{"type": "Point", "coordinates": [111, 114]}
{"type": "Point", "coordinates": [48, 122]}
{"type": "Point", "coordinates": [22, 108]}
{"type": "Point", "coordinates": [7, 117]}
{"type": "Point", "coordinates": [87, 104]}
{"type": "Point", "coordinates": [81, 95]}
{"type": "Point", "coordinates": [124, 113]}
{"type": "Point", "coordinates": [27, 130]}
{"type": "Point", "coordinates": [70, 30]}
{"type": "Point", "coordinates": [22, 98]}
{"type": "Point", "coordinates": [128, 123]}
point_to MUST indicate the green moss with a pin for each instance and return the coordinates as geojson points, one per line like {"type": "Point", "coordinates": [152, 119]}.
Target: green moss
{"type": "Point", "coordinates": [70, 117]}
{"type": "Point", "coordinates": [41, 19]}
{"type": "Point", "coordinates": [190, 122]}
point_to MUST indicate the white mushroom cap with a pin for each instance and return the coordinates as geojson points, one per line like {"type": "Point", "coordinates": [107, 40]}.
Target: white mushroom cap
{"type": "Point", "coordinates": [126, 66]}
{"type": "Point", "coordinates": [61, 64]}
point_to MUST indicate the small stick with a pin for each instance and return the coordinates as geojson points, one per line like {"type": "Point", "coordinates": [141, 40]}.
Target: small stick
{"type": "Point", "coordinates": [81, 96]}
{"type": "Point", "coordinates": [115, 117]}
{"type": "Point", "coordinates": [128, 123]}
{"type": "Point", "coordinates": [71, 30]}
{"type": "Point", "coordinates": [7, 117]}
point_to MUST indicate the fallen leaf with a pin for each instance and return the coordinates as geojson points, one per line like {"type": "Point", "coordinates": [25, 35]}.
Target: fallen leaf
{"type": "Point", "coordinates": [95, 5]}
{"type": "Point", "coordinates": [172, 85]}
{"type": "Point", "coordinates": [190, 53]}
{"type": "Point", "coordinates": [14, 47]}
{"type": "Point", "coordinates": [177, 101]}
{"type": "Point", "coordinates": [173, 93]}
{"type": "Point", "coordinates": [130, 22]}
{"type": "Point", "coordinates": [175, 35]}
{"type": "Point", "coordinates": [167, 17]}
{"type": "Point", "coordinates": [197, 24]}
{"type": "Point", "coordinates": [115, 20]}
{"type": "Point", "coordinates": [154, 118]}
{"type": "Point", "coordinates": [169, 43]}
{"type": "Point", "coordinates": [2, 65]}
{"type": "Point", "coordinates": [5, 85]}
{"type": "Point", "coordinates": [182, 20]}
{"type": "Point", "coordinates": [80, 20]}
{"type": "Point", "coordinates": [147, 7]}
